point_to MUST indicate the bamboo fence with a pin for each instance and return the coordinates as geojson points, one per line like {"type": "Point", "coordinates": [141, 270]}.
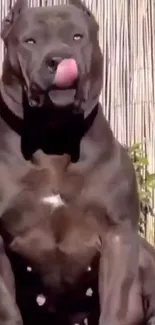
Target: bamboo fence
{"type": "Point", "coordinates": [127, 39]}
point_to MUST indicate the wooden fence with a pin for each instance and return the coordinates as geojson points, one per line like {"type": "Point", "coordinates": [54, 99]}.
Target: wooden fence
{"type": "Point", "coordinates": [127, 39]}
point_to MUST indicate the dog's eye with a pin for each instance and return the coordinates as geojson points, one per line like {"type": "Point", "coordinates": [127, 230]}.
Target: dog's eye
{"type": "Point", "coordinates": [77, 37]}
{"type": "Point", "coordinates": [30, 41]}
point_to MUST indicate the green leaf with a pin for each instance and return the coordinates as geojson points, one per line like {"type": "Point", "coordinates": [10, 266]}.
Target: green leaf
{"type": "Point", "coordinates": [143, 161]}
{"type": "Point", "coordinates": [151, 185]}
{"type": "Point", "coordinates": [150, 177]}
{"type": "Point", "coordinates": [136, 146]}
{"type": "Point", "coordinates": [145, 195]}
{"type": "Point", "coordinates": [145, 179]}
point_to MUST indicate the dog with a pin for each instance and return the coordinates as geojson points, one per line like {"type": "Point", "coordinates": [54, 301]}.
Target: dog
{"type": "Point", "coordinates": [35, 235]}
{"type": "Point", "coordinates": [50, 87]}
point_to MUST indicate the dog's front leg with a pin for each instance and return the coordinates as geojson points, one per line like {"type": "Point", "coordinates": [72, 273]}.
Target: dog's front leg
{"type": "Point", "coordinates": [118, 267]}
{"type": "Point", "coordinates": [9, 312]}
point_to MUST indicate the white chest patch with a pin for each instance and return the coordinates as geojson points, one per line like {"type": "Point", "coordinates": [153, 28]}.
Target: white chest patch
{"type": "Point", "coordinates": [54, 200]}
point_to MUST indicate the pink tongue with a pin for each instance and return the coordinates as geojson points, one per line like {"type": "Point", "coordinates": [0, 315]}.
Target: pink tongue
{"type": "Point", "coordinates": [66, 74]}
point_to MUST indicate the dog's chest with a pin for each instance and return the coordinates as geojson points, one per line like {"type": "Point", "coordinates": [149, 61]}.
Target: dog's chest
{"type": "Point", "coordinates": [70, 223]}
{"type": "Point", "coordinates": [75, 239]}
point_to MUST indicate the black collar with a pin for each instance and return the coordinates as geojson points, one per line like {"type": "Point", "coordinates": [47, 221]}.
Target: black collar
{"type": "Point", "coordinates": [36, 134]}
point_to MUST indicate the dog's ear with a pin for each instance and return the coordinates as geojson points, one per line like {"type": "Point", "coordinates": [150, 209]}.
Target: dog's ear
{"type": "Point", "coordinates": [12, 16]}
{"type": "Point", "coordinates": [81, 5]}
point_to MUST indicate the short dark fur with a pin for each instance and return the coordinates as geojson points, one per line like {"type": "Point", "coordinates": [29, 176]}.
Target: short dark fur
{"type": "Point", "coordinates": [98, 183]}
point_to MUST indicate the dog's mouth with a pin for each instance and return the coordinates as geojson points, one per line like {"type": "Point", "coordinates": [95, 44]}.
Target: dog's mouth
{"type": "Point", "coordinates": [59, 97]}
{"type": "Point", "coordinates": [65, 83]}
{"type": "Point", "coordinates": [62, 89]}
{"type": "Point", "coordinates": [62, 97]}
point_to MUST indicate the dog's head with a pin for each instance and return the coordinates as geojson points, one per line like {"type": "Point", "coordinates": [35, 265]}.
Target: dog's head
{"type": "Point", "coordinates": [53, 53]}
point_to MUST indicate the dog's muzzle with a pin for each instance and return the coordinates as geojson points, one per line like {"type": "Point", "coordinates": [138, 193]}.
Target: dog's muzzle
{"type": "Point", "coordinates": [58, 81]}
{"type": "Point", "coordinates": [66, 75]}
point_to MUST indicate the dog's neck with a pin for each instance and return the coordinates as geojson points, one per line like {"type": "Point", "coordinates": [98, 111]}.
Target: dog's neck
{"type": "Point", "coordinates": [97, 143]}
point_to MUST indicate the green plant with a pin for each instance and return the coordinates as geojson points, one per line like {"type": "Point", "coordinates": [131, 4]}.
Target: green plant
{"type": "Point", "coordinates": [145, 181]}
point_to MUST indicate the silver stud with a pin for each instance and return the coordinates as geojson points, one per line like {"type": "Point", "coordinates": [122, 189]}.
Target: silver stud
{"type": "Point", "coordinates": [41, 299]}
{"type": "Point", "coordinates": [89, 292]}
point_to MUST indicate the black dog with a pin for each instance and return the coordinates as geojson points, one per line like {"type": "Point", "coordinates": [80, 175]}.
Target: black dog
{"type": "Point", "coordinates": [50, 87]}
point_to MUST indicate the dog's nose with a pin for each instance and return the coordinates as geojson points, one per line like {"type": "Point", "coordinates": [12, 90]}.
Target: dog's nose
{"type": "Point", "coordinates": [52, 63]}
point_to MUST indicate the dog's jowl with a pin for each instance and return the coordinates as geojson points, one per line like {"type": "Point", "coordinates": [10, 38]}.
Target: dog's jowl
{"type": "Point", "coordinates": [50, 87]}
